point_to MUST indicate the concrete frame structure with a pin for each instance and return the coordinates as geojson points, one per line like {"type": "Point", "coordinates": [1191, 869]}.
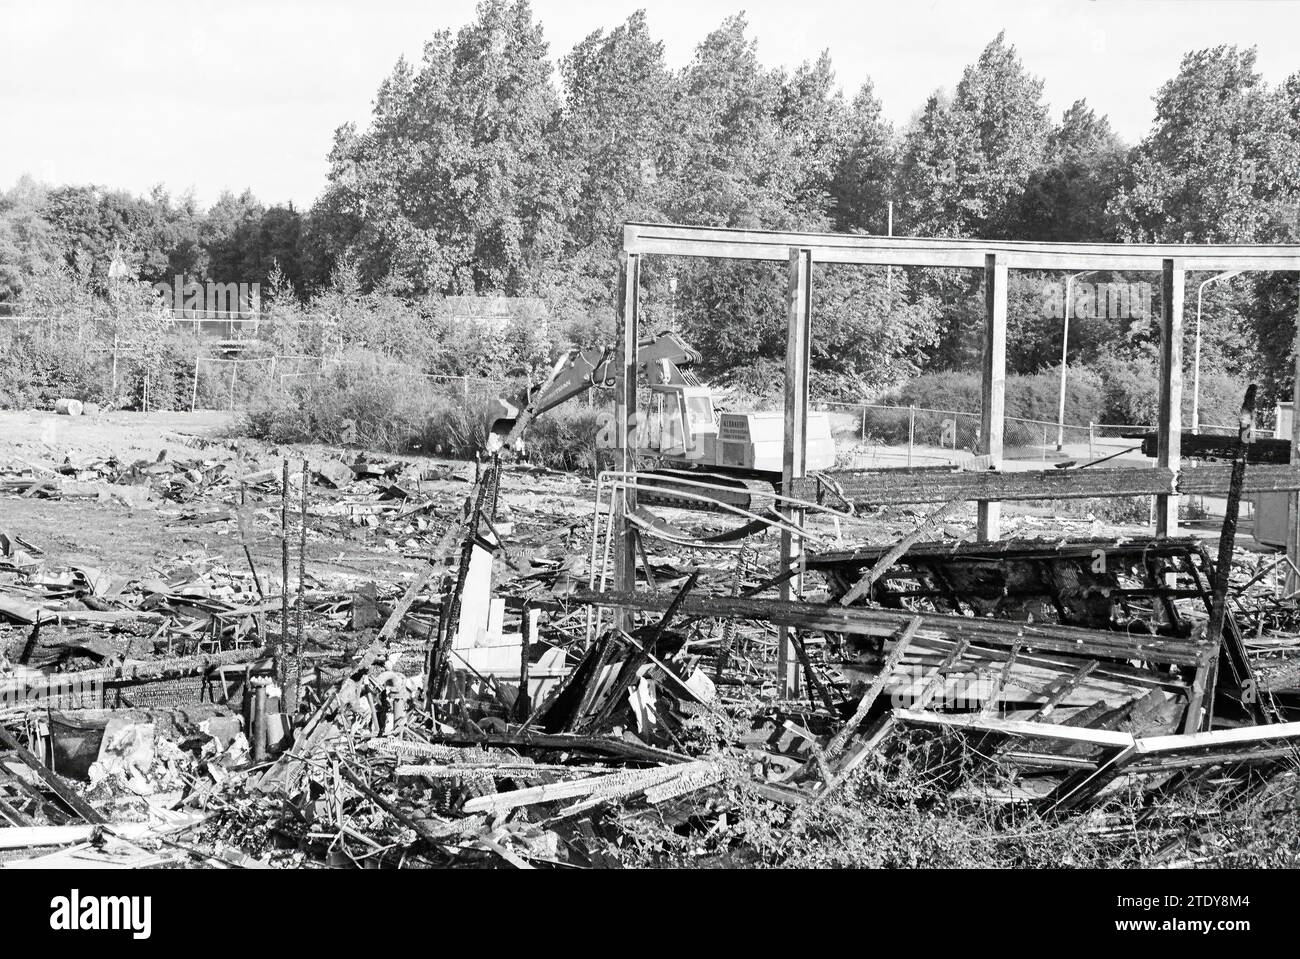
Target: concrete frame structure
{"type": "Point", "coordinates": [802, 250]}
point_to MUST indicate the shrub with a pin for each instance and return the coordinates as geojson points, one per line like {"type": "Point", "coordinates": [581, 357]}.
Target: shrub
{"type": "Point", "coordinates": [566, 438]}
{"type": "Point", "coordinates": [41, 367]}
{"type": "Point", "coordinates": [1034, 396]}
{"type": "Point", "coordinates": [364, 400]}
{"type": "Point", "coordinates": [386, 405]}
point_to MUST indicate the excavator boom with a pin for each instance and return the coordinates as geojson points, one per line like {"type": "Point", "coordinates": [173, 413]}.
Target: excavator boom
{"type": "Point", "coordinates": [663, 356]}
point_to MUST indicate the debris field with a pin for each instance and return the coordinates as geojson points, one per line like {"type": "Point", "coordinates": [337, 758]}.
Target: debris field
{"type": "Point", "coordinates": [481, 695]}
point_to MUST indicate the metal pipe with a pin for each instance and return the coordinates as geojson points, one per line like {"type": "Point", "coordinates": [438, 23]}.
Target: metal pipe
{"type": "Point", "coordinates": [1065, 355]}
{"type": "Point", "coordinates": [1196, 366]}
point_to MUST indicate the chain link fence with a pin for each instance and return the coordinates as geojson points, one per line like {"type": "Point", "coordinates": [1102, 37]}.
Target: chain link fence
{"type": "Point", "coordinates": [869, 435]}
{"type": "Point", "coordinates": [236, 383]}
{"type": "Point", "coordinates": [876, 435]}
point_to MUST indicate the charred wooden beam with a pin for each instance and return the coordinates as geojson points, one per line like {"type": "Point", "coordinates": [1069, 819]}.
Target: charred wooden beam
{"type": "Point", "coordinates": [1215, 478]}
{"type": "Point", "coordinates": [913, 488]}
{"type": "Point", "coordinates": [906, 488]}
{"type": "Point", "coordinates": [1204, 446]}
{"type": "Point", "coordinates": [882, 622]}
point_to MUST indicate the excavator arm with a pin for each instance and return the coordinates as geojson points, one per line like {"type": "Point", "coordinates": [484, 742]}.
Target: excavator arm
{"type": "Point", "coordinates": [574, 374]}
{"type": "Point", "coordinates": [663, 356]}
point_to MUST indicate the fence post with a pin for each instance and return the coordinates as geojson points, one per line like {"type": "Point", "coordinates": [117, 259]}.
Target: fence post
{"type": "Point", "coordinates": [234, 371]}
{"type": "Point", "coordinates": [1091, 454]}
{"type": "Point", "coordinates": [1045, 442]}
{"type": "Point", "coordinates": [863, 434]}
{"type": "Point", "coordinates": [464, 390]}
{"type": "Point", "coordinates": [911, 432]}
{"type": "Point", "coordinates": [194, 392]}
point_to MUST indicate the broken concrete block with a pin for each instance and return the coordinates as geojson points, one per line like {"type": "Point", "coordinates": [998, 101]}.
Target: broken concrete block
{"type": "Point", "coordinates": [333, 473]}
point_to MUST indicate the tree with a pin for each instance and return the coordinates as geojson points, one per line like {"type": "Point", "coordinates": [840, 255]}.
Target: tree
{"type": "Point", "coordinates": [737, 145]}
{"type": "Point", "coordinates": [615, 137]}
{"type": "Point", "coordinates": [1223, 160]}
{"type": "Point", "coordinates": [455, 184]}
{"type": "Point", "coordinates": [863, 180]}
{"type": "Point", "coordinates": [965, 163]}
{"type": "Point", "coordinates": [27, 246]}
{"type": "Point", "coordinates": [1068, 199]}
{"type": "Point", "coordinates": [81, 232]}
{"type": "Point", "coordinates": [227, 231]}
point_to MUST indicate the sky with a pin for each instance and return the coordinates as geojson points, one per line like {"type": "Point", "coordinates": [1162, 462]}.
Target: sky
{"type": "Point", "coordinates": [211, 96]}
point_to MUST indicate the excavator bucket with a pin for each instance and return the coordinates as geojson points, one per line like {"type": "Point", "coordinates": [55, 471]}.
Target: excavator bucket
{"type": "Point", "coordinates": [504, 416]}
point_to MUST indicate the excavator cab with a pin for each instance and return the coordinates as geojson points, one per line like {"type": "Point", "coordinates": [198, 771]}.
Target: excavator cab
{"type": "Point", "coordinates": [688, 424]}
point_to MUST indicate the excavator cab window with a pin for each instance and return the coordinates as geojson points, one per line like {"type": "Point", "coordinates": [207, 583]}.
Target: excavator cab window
{"type": "Point", "coordinates": [699, 414]}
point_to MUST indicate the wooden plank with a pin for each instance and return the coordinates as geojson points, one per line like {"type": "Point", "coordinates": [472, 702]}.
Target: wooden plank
{"type": "Point", "coordinates": [66, 794]}
{"type": "Point", "coordinates": [1216, 478]}
{"type": "Point", "coordinates": [873, 691]}
{"type": "Point", "coordinates": [1169, 413]}
{"type": "Point", "coordinates": [1062, 688]}
{"type": "Point", "coordinates": [868, 744]}
{"type": "Point", "coordinates": [937, 488]}
{"type": "Point", "coordinates": [625, 412]}
{"type": "Point", "coordinates": [935, 683]}
{"type": "Point", "coordinates": [993, 385]}
{"type": "Point", "coordinates": [857, 620]}
{"type": "Point", "coordinates": [995, 694]}
{"type": "Point", "coordinates": [1219, 738]}
{"type": "Point", "coordinates": [1204, 682]}
{"type": "Point", "coordinates": [1293, 510]}
{"type": "Point", "coordinates": [795, 448]}
{"type": "Point", "coordinates": [1218, 446]}
{"type": "Point", "coordinates": [23, 837]}
{"type": "Point", "coordinates": [1076, 790]}
{"type": "Point", "coordinates": [883, 564]}
{"type": "Point", "coordinates": [934, 487]}
{"type": "Point", "coordinates": [1016, 727]}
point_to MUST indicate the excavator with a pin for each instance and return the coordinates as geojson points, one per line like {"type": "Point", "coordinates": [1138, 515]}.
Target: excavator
{"type": "Point", "coordinates": [683, 428]}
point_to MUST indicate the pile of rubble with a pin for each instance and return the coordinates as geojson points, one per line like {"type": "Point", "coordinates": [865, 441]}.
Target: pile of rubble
{"type": "Point", "coordinates": [489, 711]}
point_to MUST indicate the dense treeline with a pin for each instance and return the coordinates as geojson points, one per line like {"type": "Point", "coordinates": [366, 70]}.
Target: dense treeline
{"type": "Point", "coordinates": [488, 168]}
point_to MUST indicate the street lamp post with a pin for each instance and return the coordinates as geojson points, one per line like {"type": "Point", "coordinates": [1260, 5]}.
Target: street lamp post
{"type": "Point", "coordinates": [1065, 353]}
{"type": "Point", "coordinates": [889, 226]}
{"type": "Point", "coordinates": [1196, 367]}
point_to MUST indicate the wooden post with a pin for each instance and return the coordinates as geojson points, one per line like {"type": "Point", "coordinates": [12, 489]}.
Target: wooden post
{"type": "Point", "coordinates": [911, 432]}
{"type": "Point", "coordinates": [1293, 513]}
{"type": "Point", "coordinates": [291, 691]}
{"type": "Point", "coordinates": [1222, 573]}
{"type": "Point", "coordinates": [993, 403]}
{"type": "Point", "coordinates": [282, 647]}
{"type": "Point", "coordinates": [625, 415]}
{"type": "Point", "coordinates": [1169, 423]}
{"type": "Point", "coordinates": [523, 703]}
{"type": "Point", "coordinates": [795, 449]}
